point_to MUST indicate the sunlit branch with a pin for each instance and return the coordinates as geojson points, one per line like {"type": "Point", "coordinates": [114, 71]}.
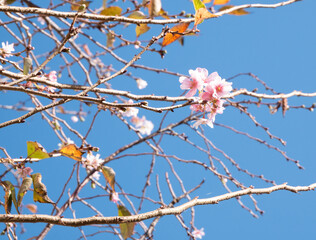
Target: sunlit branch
{"type": "Point", "coordinates": [158, 212]}
{"type": "Point", "coordinates": [122, 19]}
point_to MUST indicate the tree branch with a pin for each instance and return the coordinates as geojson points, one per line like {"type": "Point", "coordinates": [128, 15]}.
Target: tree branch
{"type": "Point", "coordinates": [121, 19]}
{"type": "Point", "coordinates": [152, 214]}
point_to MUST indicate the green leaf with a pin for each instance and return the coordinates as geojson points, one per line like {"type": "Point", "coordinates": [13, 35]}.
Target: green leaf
{"type": "Point", "coordinates": [27, 64]}
{"type": "Point", "coordinates": [26, 184]}
{"type": "Point", "coordinates": [127, 229]}
{"type": "Point", "coordinates": [109, 175]}
{"type": "Point", "coordinates": [198, 4]}
{"type": "Point", "coordinates": [35, 150]}
{"type": "Point", "coordinates": [9, 197]}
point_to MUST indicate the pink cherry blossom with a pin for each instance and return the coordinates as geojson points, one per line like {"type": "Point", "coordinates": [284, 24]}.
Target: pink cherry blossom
{"type": "Point", "coordinates": [130, 111]}
{"type": "Point", "coordinates": [53, 78]}
{"type": "Point", "coordinates": [96, 175]}
{"type": "Point", "coordinates": [41, 20]}
{"type": "Point", "coordinates": [143, 125]}
{"type": "Point", "coordinates": [136, 121]}
{"type": "Point", "coordinates": [197, 107]}
{"type": "Point", "coordinates": [203, 121]}
{"type": "Point", "coordinates": [198, 233]}
{"type": "Point", "coordinates": [209, 92]}
{"type": "Point", "coordinates": [7, 49]}
{"type": "Point", "coordinates": [141, 83]}
{"type": "Point", "coordinates": [92, 161]}
{"type": "Point", "coordinates": [74, 119]}
{"type": "Point", "coordinates": [220, 86]}
{"type": "Point", "coordinates": [115, 197]}
{"type": "Point", "coordinates": [211, 89]}
{"type": "Point", "coordinates": [195, 82]}
{"type": "Point", "coordinates": [204, 107]}
{"type": "Point", "coordinates": [24, 172]}
{"type": "Point", "coordinates": [218, 106]}
{"type": "Point", "coordinates": [199, 73]}
{"type": "Point", "coordinates": [212, 77]}
{"type": "Point", "coordinates": [146, 128]}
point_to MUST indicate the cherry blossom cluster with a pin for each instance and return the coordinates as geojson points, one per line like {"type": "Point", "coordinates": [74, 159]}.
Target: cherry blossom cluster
{"type": "Point", "coordinates": [6, 49]}
{"type": "Point", "coordinates": [51, 76]}
{"type": "Point", "coordinates": [92, 162]}
{"type": "Point", "coordinates": [198, 233]}
{"type": "Point", "coordinates": [211, 88]}
{"type": "Point", "coordinates": [23, 172]}
{"type": "Point", "coordinates": [143, 125]}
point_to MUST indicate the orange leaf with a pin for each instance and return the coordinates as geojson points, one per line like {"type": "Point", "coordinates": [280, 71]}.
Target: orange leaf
{"type": "Point", "coordinates": [220, 2]}
{"type": "Point", "coordinates": [171, 37]}
{"type": "Point", "coordinates": [207, 1]}
{"type": "Point", "coordinates": [32, 208]}
{"type": "Point", "coordinates": [238, 12]}
{"type": "Point", "coordinates": [71, 151]}
{"type": "Point", "coordinates": [201, 14]}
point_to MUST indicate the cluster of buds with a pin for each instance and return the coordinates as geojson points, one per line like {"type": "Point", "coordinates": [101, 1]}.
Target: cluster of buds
{"type": "Point", "coordinates": [211, 88]}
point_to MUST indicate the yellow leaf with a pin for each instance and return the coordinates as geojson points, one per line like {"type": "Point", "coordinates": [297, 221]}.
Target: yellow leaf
{"type": "Point", "coordinates": [71, 151]}
{"type": "Point", "coordinates": [111, 11]}
{"type": "Point", "coordinates": [40, 191]}
{"type": "Point", "coordinates": [171, 37]}
{"type": "Point", "coordinates": [238, 12]}
{"type": "Point", "coordinates": [109, 175]}
{"type": "Point", "coordinates": [154, 7]}
{"type": "Point", "coordinates": [137, 15]}
{"type": "Point", "coordinates": [220, 2]}
{"type": "Point", "coordinates": [164, 14]}
{"type": "Point", "coordinates": [201, 14]}
{"type": "Point", "coordinates": [140, 29]}
{"type": "Point", "coordinates": [127, 229]}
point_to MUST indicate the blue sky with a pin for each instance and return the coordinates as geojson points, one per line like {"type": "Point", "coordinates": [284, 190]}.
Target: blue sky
{"type": "Point", "coordinates": [277, 45]}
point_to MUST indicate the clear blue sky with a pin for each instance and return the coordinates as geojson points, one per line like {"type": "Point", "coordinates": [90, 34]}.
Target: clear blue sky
{"type": "Point", "coordinates": [277, 45]}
